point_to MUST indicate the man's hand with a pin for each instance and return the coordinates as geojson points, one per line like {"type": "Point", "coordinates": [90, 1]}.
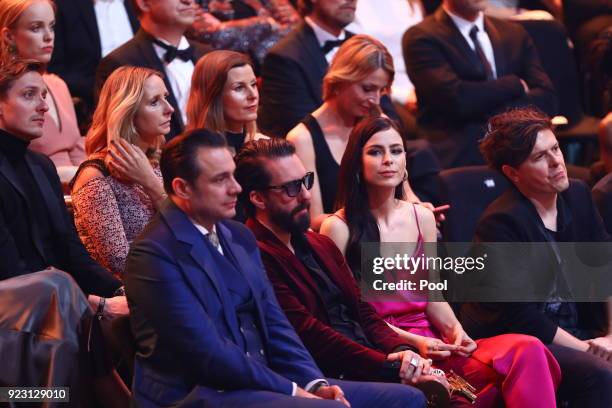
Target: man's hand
{"type": "Point", "coordinates": [332, 392]}
{"type": "Point", "coordinates": [601, 347]}
{"type": "Point", "coordinates": [115, 307]}
{"type": "Point", "coordinates": [412, 366]}
{"type": "Point", "coordinates": [302, 393]}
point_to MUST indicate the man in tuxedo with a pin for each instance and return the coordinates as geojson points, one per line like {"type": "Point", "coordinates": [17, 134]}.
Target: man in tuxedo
{"type": "Point", "coordinates": [43, 313]}
{"type": "Point", "coordinates": [208, 326]}
{"type": "Point", "coordinates": [161, 45]}
{"type": "Point", "coordinates": [293, 70]}
{"type": "Point", "coordinates": [543, 206]}
{"type": "Point", "coordinates": [85, 32]}
{"type": "Point", "coordinates": [467, 67]}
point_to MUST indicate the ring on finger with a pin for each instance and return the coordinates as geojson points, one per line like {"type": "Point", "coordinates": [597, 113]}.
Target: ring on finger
{"type": "Point", "coordinates": [414, 362]}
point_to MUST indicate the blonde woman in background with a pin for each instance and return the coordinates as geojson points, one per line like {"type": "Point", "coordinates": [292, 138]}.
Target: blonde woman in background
{"type": "Point", "coordinates": [119, 188]}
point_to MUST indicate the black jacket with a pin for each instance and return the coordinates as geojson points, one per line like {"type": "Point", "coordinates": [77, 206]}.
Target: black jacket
{"type": "Point", "coordinates": [513, 218]}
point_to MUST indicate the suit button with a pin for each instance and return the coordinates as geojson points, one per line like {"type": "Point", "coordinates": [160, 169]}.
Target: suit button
{"type": "Point", "coordinates": [248, 354]}
{"type": "Point", "coordinates": [341, 376]}
{"type": "Point", "coordinates": [241, 329]}
{"type": "Point", "coordinates": [261, 352]}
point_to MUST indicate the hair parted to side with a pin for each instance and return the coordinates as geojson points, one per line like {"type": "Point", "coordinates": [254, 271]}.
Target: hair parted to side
{"type": "Point", "coordinates": [113, 118]}
{"type": "Point", "coordinates": [352, 194]}
{"type": "Point", "coordinates": [511, 136]}
{"type": "Point", "coordinates": [251, 171]}
{"type": "Point", "coordinates": [357, 58]}
{"type": "Point", "coordinates": [179, 155]}
{"type": "Point", "coordinates": [11, 71]}
{"type": "Point", "coordinates": [205, 105]}
{"type": "Point", "coordinates": [10, 11]}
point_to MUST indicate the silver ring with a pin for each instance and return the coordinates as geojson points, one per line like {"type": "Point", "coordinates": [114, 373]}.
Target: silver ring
{"type": "Point", "coordinates": [414, 362]}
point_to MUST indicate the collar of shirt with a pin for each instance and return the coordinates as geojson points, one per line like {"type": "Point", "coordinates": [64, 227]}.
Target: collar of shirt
{"type": "Point", "coordinates": [321, 34]}
{"type": "Point", "coordinates": [204, 231]}
{"type": "Point", "coordinates": [464, 25]}
{"type": "Point", "coordinates": [183, 44]}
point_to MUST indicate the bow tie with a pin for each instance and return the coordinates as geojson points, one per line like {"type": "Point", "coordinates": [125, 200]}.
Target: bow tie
{"type": "Point", "coordinates": [173, 52]}
{"type": "Point", "coordinates": [331, 44]}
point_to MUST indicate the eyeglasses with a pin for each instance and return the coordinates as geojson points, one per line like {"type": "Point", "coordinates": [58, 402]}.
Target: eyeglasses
{"type": "Point", "coordinates": [293, 188]}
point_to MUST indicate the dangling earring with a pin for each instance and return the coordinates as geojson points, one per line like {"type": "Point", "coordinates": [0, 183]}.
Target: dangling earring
{"type": "Point", "coordinates": [358, 180]}
{"type": "Point", "coordinates": [12, 49]}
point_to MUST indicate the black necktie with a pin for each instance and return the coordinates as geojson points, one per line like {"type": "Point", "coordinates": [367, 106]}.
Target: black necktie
{"type": "Point", "coordinates": [173, 52]}
{"type": "Point", "coordinates": [331, 44]}
{"type": "Point", "coordinates": [481, 56]}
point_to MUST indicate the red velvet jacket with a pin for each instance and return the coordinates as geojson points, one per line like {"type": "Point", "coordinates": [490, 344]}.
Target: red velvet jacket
{"type": "Point", "coordinates": [299, 296]}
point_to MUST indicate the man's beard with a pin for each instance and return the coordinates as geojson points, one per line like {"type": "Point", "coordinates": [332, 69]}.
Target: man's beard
{"type": "Point", "coordinates": [288, 221]}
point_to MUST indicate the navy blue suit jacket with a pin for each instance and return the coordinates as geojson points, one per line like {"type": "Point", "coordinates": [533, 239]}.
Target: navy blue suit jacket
{"type": "Point", "coordinates": [184, 321]}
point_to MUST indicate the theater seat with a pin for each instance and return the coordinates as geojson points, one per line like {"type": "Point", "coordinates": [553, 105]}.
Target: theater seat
{"type": "Point", "coordinates": [469, 191]}
{"type": "Point", "coordinates": [124, 339]}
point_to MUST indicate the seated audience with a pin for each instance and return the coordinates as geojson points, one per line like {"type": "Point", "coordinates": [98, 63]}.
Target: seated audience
{"type": "Point", "coordinates": [28, 32]}
{"type": "Point", "coordinates": [466, 67]}
{"type": "Point", "coordinates": [345, 336]}
{"type": "Point", "coordinates": [372, 210]}
{"type": "Point", "coordinates": [543, 206]}
{"type": "Point", "coordinates": [219, 337]}
{"type": "Point", "coordinates": [118, 189]}
{"type": "Point", "coordinates": [85, 32]}
{"type": "Point", "coordinates": [36, 234]}
{"type": "Point", "coordinates": [161, 45]}
{"type": "Point", "coordinates": [224, 97]}
{"type": "Point", "coordinates": [360, 73]}
{"type": "Point", "coordinates": [293, 70]}
{"type": "Point", "coordinates": [247, 26]}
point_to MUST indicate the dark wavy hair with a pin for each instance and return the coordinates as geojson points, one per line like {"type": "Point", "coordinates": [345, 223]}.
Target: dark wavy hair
{"type": "Point", "coordinates": [352, 193]}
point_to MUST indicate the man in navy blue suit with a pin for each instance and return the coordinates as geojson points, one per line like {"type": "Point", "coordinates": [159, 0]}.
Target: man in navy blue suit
{"type": "Point", "coordinates": [208, 327]}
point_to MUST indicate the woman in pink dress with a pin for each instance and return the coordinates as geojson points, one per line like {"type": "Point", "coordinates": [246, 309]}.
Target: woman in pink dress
{"type": "Point", "coordinates": [27, 33]}
{"type": "Point", "coordinates": [516, 369]}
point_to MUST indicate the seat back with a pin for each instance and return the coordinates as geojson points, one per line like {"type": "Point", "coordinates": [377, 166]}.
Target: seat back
{"type": "Point", "coordinates": [469, 191]}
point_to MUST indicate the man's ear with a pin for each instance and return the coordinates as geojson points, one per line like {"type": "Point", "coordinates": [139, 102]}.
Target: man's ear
{"type": "Point", "coordinates": [181, 188]}
{"type": "Point", "coordinates": [143, 5]}
{"type": "Point", "coordinates": [257, 199]}
{"type": "Point", "coordinates": [510, 172]}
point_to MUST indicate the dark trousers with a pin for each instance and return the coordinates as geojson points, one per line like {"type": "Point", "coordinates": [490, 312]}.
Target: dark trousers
{"type": "Point", "coordinates": [359, 394]}
{"type": "Point", "coordinates": [586, 379]}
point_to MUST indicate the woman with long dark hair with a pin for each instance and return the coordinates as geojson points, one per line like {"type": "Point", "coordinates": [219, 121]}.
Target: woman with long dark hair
{"type": "Point", "coordinates": [371, 209]}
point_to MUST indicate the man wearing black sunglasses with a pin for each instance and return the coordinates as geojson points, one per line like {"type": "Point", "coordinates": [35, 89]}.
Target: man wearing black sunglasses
{"type": "Point", "coordinates": [312, 282]}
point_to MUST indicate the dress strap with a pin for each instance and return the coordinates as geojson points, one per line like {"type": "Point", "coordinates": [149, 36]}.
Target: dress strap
{"type": "Point", "coordinates": [416, 217]}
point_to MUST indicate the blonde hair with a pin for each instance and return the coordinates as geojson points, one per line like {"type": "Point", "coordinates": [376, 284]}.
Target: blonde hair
{"type": "Point", "coordinates": [357, 58]}
{"type": "Point", "coordinates": [205, 105]}
{"type": "Point", "coordinates": [10, 11]}
{"type": "Point", "coordinates": [120, 98]}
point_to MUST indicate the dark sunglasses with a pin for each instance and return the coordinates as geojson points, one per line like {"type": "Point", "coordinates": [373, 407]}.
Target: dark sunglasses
{"type": "Point", "coordinates": [293, 188]}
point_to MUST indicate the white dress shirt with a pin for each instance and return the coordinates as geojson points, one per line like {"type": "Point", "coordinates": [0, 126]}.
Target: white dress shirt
{"type": "Point", "coordinates": [179, 74]}
{"type": "Point", "coordinates": [113, 24]}
{"type": "Point", "coordinates": [324, 36]}
{"type": "Point", "coordinates": [388, 25]}
{"type": "Point", "coordinates": [465, 26]}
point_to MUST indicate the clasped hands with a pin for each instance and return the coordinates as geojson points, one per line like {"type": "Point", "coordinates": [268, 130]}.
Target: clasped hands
{"type": "Point", "coordinates": [601, 347]}
{"type": "Point", "coordinates": [330, 392]}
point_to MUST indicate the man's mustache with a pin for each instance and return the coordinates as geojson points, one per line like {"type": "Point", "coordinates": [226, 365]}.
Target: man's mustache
{"type": "Point", "coordinates": [304, 206]}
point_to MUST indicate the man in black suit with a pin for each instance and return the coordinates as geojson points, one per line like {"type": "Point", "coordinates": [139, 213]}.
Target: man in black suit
{"type": "Point", "coordinates": [79, 43]}
{"type": "Point", "coordinates": [543, 206]}
{"type": "Point", "coordinates": [161, 45]}
{"type": "Point", "coordinates": [466, 67]}
{"type": "Point", "coordinates": [40, 251]}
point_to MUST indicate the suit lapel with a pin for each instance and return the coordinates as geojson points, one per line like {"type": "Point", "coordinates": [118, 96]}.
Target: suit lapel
{"type": "Point", "coordinates": [86, 9]}
{"type": "Point", "coordinates": [7, 171]}
{"type": "Point", "coordinates": [453, 36]}
{"type": "Point", "coordinates": [496, 43]}
{"type": "Point", "coordinates": [187, 233]}
{"type": "Point", "coordinates": [316, 64]}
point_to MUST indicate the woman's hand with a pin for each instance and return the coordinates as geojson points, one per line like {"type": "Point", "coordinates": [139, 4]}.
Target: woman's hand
{"type": "Point", "coordinates": [464, 343]}
{"type": "Point", "coordinates": [434, 349]}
